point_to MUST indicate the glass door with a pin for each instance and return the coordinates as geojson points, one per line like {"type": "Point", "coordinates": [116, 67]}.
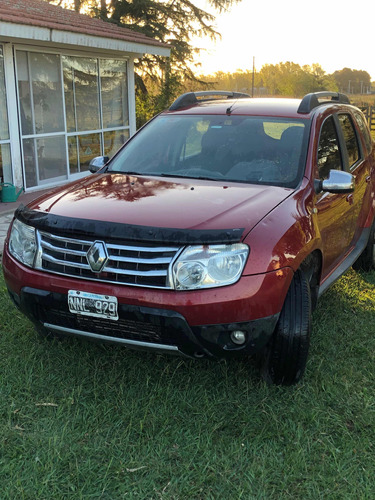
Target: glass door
{"type": "Point", "coordinates": [42, 117]}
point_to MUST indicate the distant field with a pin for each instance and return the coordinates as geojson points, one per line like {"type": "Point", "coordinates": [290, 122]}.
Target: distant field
{"type": "Point", "coordinates": [83, 421]}
{"type": "Point", "coordinates": [362, 99]}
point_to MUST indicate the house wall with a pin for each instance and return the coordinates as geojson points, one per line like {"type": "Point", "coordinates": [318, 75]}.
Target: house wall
{"type": "Point", "coordinates": [62, 108]}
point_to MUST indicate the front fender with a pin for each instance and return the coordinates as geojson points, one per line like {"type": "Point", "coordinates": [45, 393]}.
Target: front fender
{"type": "Point", "coordinates": [286, 236]}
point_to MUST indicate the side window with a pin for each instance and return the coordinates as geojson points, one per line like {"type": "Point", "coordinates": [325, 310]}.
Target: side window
{"type": "Point", "coordinates": [329, 156]}
{"type": "Point", "coordinates": [350, 139]}
{"type": "Point", "coordinates": [365, 131]}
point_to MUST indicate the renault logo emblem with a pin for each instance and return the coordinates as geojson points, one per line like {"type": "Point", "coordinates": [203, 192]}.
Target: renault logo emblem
{"type": "Point", "coordinates": [97, 256]}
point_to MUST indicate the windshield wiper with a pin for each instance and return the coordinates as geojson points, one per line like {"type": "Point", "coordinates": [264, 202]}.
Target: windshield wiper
{"type": "Point", "coordinates": [132, 172]}
{"type": "Point", "coordinates": [162, 174]}
{"type": "Point", "coordinates": [199, 177]}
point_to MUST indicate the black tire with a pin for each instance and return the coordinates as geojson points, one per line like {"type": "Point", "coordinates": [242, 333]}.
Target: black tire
{"type": "Point", "coordinates": [310, 267]}
{"type": "Point", "coordinates": [366, 261]}
{"type": "Point", "coordinates": [285, 358]}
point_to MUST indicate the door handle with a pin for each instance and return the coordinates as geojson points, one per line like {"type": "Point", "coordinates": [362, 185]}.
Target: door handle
{"type": "Point", "coordinates": [350, 199]}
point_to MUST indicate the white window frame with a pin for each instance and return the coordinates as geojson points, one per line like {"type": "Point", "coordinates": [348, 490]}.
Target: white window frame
{"type": "Point", "coordinates": [130, 128]}
{"type": "Point", "coordinates": [11, 97]}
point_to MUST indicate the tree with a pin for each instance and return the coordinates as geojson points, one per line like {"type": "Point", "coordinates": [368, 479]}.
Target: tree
{"type": "Point", "coordinates": [175, 22]}
{"type": "Point", "coordinates": [353, 81]}
{"type": "Point", "coordinates": [290, 79]}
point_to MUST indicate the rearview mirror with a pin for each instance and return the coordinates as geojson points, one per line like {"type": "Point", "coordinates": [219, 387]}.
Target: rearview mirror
{"type": "Point", "coordinates": [97, 163]}
{"type": "Point", "coordinates": [337, 182]}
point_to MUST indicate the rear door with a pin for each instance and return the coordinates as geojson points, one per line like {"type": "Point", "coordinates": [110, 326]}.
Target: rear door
{"type": "Point", "coordinates": [359, 164]}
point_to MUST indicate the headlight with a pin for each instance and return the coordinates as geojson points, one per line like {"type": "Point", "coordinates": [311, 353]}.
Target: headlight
{"type": "Point", "coordinates": [209, 266]}
{"type": "Point", "coordinates": [22, 243]}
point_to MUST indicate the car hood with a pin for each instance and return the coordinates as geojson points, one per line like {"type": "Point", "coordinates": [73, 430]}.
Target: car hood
{"type": "Point", "coordinates": [163, 203]}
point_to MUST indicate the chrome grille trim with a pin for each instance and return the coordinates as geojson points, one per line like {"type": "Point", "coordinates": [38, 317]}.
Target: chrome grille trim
{"type": "Point", "coordinates": [48, 246]}
{"type": "Point", "coordinates": [164, 260]}
{"type": "Point", "coordinates": [48, 258]}
{"type": "Point", "coordinates": [134, 265]}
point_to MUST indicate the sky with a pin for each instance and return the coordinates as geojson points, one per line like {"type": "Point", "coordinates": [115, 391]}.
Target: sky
{"type": "Point", "coordinates": [329, 32]}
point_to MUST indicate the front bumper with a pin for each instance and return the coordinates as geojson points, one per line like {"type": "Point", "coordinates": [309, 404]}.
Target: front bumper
{"type": "Point", "coordinates": [196, 324]}
{"type": "Point", "coordinates": [143, 327]}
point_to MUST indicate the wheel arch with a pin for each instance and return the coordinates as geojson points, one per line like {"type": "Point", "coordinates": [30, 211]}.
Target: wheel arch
{"type": "Point", "coordinates": [311, 267]}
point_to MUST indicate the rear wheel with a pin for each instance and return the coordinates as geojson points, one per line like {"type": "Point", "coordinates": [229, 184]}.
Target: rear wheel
{"type": "Point", "coordinates": [285, 357]}
{"type": "Point", "coordinates": [366, 261]}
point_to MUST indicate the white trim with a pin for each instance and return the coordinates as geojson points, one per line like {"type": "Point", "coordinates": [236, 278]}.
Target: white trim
{"type": "Point", "coordinates": [72, 178]}
{"type": "Point", "coordinates": [13, 30]}
{"type": "Point", "coordinates": [14, 127]}
{"type": "Point", "coordinates": [88, 132]}
{"type": "Point", "coordinates": [64, 117]}
{"type": "Point", "coordinates": [68, 51]}
{"type": "Point", "coordinates": [100, 103]}
{"type": "Point", "coordinates": [131, 97]}
{"type": "Point", "coordinates": [34, 33]}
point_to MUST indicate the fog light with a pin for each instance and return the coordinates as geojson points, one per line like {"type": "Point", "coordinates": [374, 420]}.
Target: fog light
{"type": "Point", "coordinates": [238, 337]}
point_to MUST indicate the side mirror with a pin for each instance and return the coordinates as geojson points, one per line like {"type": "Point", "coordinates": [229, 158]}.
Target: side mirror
{"type": "Point", "coordinates": [337, 182]}
{"type": "Point", "coordinates": [97, 163]}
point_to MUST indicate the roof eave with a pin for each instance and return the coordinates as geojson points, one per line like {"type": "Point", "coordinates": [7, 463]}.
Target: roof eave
{"type": "Point", "coordinates": [26, 33]}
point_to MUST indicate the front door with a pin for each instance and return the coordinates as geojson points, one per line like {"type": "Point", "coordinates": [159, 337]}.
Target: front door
{"type": "Point", "coordinates": [333, 210]}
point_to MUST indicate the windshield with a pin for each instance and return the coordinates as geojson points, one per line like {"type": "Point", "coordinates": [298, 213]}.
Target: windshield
{"type": "Point", "coordinates": [258, 150]}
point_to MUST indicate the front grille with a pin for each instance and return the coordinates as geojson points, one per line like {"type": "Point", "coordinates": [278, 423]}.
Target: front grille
{"type": "Point", "coordinates": [138, 265]}
{"type": "Point", "coordinates": [124, 328]}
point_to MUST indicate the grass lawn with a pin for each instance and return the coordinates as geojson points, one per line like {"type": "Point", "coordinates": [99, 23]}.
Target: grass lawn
{"type": "Point", "coordinates": [84, 421]}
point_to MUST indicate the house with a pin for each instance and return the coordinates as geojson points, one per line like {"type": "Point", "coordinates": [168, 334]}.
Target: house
{"type": "Point", "coordinates": [66, 91]}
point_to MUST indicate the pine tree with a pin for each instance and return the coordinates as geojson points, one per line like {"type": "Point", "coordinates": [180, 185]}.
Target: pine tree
{"type": "Point", "coordinates": [175, 22]}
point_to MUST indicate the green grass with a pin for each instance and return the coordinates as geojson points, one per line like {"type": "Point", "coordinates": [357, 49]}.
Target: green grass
{"type": "Point", "coordinates": [84, 421]}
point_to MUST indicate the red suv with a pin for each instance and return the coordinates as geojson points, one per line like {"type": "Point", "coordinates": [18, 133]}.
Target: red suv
{"type": "Point", "coordinates": [211, 233]}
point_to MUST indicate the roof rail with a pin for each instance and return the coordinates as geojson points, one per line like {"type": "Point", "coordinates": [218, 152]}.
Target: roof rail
{"type": "Point", "coordinates": [191, 98]}
{"type": "Point", "coordinates": [311, 101]}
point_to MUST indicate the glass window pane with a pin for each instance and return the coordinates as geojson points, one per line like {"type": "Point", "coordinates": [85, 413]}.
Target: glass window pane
{"type": "Point", "coordinates": [83, 72]}
{"type": "Point", "coordinates": [47, 93]}
{"type": "Point", "coordinates": [69, 98]}
{"type": "Point", "coordinates": [350, 137]}
{"type": "Point", "coordinates": [113, 140]}
{"type": "Point", "coordinates": [114, 93]}
{"type": "Point", "coordinates": [51, 157]}
{"type": "Point", "coordinates": [29, 162]}
{"type": "Point", "coordinates": [329, 156]}
{"type": "Point", "coordinates": [365, 131]}
{"type": "Point", "coordinates": [24, 93]}
{"type": "Point", "coordinates": [73, 155]}
{"type": "Point", "coordinates": [5, 165]}
{"type": "Point", "coordinates": [4, 130]}
{"type": "Point", "coordinates": [89, 147]}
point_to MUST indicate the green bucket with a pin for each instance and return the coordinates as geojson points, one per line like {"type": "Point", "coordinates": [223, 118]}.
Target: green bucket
{"type": "Point", "coordinates": [9, 192]}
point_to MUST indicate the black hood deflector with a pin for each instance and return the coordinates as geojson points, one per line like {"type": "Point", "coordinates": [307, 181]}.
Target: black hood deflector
{"type": "Point", "coordinates": [94, 229]}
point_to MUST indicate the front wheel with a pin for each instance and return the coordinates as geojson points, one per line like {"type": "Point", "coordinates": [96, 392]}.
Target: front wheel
{"type": "Point", "coordinates": [285, 358]}
{"type": "Point", "coordinates": [366, 261]}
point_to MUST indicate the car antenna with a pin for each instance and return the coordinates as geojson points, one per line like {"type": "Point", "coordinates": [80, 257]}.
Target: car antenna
{"type": "Point", "coordinates": [229, 110]}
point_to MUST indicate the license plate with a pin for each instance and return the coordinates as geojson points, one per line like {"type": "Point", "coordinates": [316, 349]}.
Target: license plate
{"type": "Point", "coordinates": [92, 304]}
